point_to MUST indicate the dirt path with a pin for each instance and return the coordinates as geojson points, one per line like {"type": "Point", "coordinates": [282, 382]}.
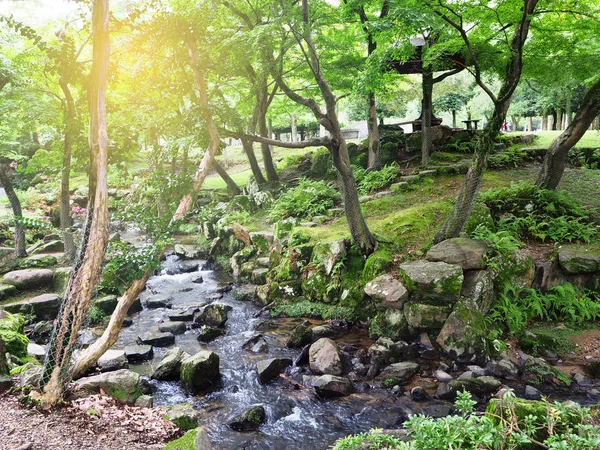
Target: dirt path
{"type": "Point", "coordinates": [94, 423]}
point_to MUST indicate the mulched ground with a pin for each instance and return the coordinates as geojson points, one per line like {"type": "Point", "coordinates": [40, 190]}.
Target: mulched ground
{"type": "Point", "coordinates": [92, 423]}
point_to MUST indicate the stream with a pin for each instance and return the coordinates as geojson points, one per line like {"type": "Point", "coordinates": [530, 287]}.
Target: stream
{"type": "Point", "coordinates": [296, 418]}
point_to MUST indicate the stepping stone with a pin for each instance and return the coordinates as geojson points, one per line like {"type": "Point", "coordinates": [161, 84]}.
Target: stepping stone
{"type": "Point", "coordinates": [399, 186]}
{"type": "Point", "coordinates": [410, 178]}
{"type": "Point", "coordinates": [157, 338]}
{"type": "Point", "coordinates": [44, 307]}
{"type": "Point", "coordinates": [198, 280]}
{"type": "Point", "coordinates": [112, 360]}
{"type": "Point", "coordinates": [159, 301]}
{"type": "Point", "coordinates": [29, 279]}
{"type": "Point", "coordinates": [182, 316]}
{"type": "Point", "coordinates": [308, 224]}
{"type": "Point", "coordinates": [172, 327]}
{"type": "Point", "coordinates": [383, 194]}
{"type": "Point", "coordinates": [427, 173]}
{"type": "Point", "coordinates": [320, 219]}
{"type": "Point", "coordinates": [208, 334]}
{"type": "Point", "coordinates": [137, 353]}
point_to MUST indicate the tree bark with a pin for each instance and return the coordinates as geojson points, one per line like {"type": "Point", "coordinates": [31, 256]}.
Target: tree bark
{"type": "Point", "coordinates": [85, 277]}
{"type": "Point", "coordinates": [249, 150]}
{"type": "Point", "coordinates": [553, 119]}
{"type": "Point", "coordinates": [264, 148]}
{"type": "Point", "coordinates": [545, 121]}
{"type": "Point", "coordinates": [65, 200]}
{"type": "Point", "coordinates": [20, 246]}
{"type": "Point", "coordinates": [530, 124]}
{"type": "Point", "coordinates": [453, 118]}
{"type": "Point", "coordinates": [374, 155]}
{"type": "Point", "coordinates": [560, 120]}
{"type": "Point", "coordinates": [294, 136]}
{"type": "Point", "coordinates": [232, 187]}
{"type": "Point", "coordinates": [426, 113]}
{"type": "Point", "coordinates": [555, 159]}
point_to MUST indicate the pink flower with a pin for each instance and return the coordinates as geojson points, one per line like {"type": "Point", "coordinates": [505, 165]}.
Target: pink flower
{"type": "Point", "coordinates": [13, 165]}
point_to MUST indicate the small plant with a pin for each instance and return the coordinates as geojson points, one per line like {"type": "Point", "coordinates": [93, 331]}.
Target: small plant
{"type": "Point", "coordinates": [308, 199]}
{"type": "Point", "coordinates": [369, 182]}
{"type": "Point", "coordinates": [95, 315]}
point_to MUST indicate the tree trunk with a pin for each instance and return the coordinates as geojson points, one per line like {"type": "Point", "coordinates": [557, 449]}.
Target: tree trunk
{"type": "Point", "coordinates": [515, 123]}
{"type": "Point", "coordinates": [453, 118]}
{"type": "Point", "coordinates": [265, 149]}
{"type": "Point", "coordinates": [294, 128]}
{"type": "Point", "coordinates": [426, 113]}
{"type": "Point", "coordinates": [556, 156]}
{"type": "Point", "coordinates": [84, 279]}
{"type": "Point", "coordinates": [65, 200]}
{"type": "Point", "coordinates": [560, 117]}
{"type": "Point", "coordinates": [374, 155]}
{"type": "Point", "coordinates": [232, 188]}
{"type": "Point", "coordinates": [530, 124]}
{"type": "Point", "coordinates": [553, 119]}
{"type": "Point", "coordinates": [249, 150]}
{"type": "Point", "coordinates": [90, 355]}
{"type": "Point", "coordinates": [545, 121]}
{"type": "Point", "coordinates": [15, 204]}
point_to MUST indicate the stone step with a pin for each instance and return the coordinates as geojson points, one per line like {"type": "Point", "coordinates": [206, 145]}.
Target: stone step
{"type": "Point", "coordinates": [44, 307]}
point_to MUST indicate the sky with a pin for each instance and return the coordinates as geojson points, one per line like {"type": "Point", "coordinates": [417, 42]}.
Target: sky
{"type": "Point", "coordinates": [36, 13]}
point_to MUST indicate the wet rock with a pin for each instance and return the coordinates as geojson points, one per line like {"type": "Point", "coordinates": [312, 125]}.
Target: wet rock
{"type": "Point", "coordinates": [325, 357]}
{"type": "Point", "coordinates": [390, 323]}
{"type": "Point", "coordinates": [331, 386]}
{"type": "Point", "coordinates": [29, 279]}
{"type": "Point", "coordinates": [434, 283]}
{"type": "Point", "coordinates": [44, 307]}
{"type": "Point", "coordinates": [123, 385]}
{"type": "Point", "coordinates": [582, 380]}
{"type": "Point", "coordinates": [418, 394]}
{"type": "Point", "coordinates": [477, 371]}
{"type": "Point", "coordinates": [302, 357]}
{"type": "Point", "coordinates": [107, 304]}
{"type": "Point", "coordinates": [127, 322]}
{"type": "Point", "coordinates": [537, 370]}
{"type": "Point", "coordinates": [245, 293]}
{"type": "Point", "coordinates": [182, 316]}
{"type": "Point", "coordinates": [442, 376]}
{"type": "Point", "coordinates": [138, 353]}
{"type": "Point", "coordinates": [437, 411]}
{"type": "Point", "coordinates": [532, 393]}
{"type": "Point", "coordinates": [187, 251]}
{"type": "Point", "coordinates": [183, 415]}
{"type": "Point", "coordinates": [301, 336]}
{"type": "Point", "coordinates": [169, 366]}
{"type": "Point", "coordinates": [208, 334]}
{"type": "Point", "coordinates": [198, 280]}
{"type": "Point", "coordinates": [240, 258]}
{"type": "Point", "coordinates": [256, 344]}
{"type": "Point", "coordinates": [200, 371]}
{"type": "Point", "coordinates": [322, 331]}
{"type": "Point", "coordinates": [467, 253]}
{"type": "Point", "coordinates": [574, 260]}
{"type": "Point", "coordinates": [188, 266]}
{"type": "Point", "coordinates": [157, 338]}
{"type": "Point", "coordinates": [503, 368]}
{"type": "Point", "coordinates": [42, 331]}
{"type": "Point", "coordinates": [269, 369]}
{"type": "Point", "coordinates": [144, 401]}
{"type": "Point", "coordinates": [249, 420]}
{"type": "Point", "coordinates": [390, 292]}
{"type": "Point", "coordinates": [112, 360]}
{"type": "Point", "coordinates": [213, 315]}
{"type": "Point", "coordinates": [401, 373]}
{"type": "Point", "coordinates": [425, 317]}
{"type": "Point", "coordinates": [146, 387]}
{"type": "Point", "coordinates": [221, 289]}
{"type": "Point", "coordinates": [135, 307]}
{"type": "Point", "coordinates": [159, 301]}
{"type": "Point", "coordinates": [480, 386]}
{"type": "Point", "coordinates": [172, 327]}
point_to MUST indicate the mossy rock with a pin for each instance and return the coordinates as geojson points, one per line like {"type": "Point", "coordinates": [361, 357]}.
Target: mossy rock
{"type": "Point", "coordinates": [298, 237]}
{"type": "Point", "coordinates": [378, 263]}
{"type": "Point", "coordinates": [11, 322]}
{"type": "Point", "coordinates": [183, 415]}
{"type": "Point", "coordinates": [185, 442]}
{"type": "Point", "coordinates": [241, 203]}
{"type": "Point", "coordinates": [360, 160]}
{"type": "Point", "coordinates": [391, 324]}
{"type": "Point", "coordinates": [11, 332]}
{"type": "Point", "coordinates": [262, 241]}
{"type": "Point", "coordinates": [426, 317]}
{"type": "Point", "coordinates": [282, 228]}
{"type": "Point", "coordinates": [38, 261]}
{"type": "Point", "coordinates": [321, 163]}
{"type": "Point", "coordinates": [319, 287]}
{"type": "Point", "coordinates": [389, 152]}
{"type": "Point", "coordinates": [434, 283]}
{"type": "Point", "coordinates": [480, 215]}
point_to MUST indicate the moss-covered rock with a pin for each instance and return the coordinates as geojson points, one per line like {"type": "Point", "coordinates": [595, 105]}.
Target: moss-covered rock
{"type": "Point", "coordinates": [123, 385]}
{"type": "Point", "coordinates": [61, 279]}
{"type": "Point", "coordinates": [390, 323]}
{"type": "Point", "coordinates": [435, 283]}
{"type": "Point", "coordinates": [378, 263]}
{"type": "Point", "coordinates": [249, 420]}
{"type": "Point", "coordinates": [538, 371]}
{"type": "Point", "coordinates": [481, 215]}
{"type": "Point", "coordinates": [262, 241]}
{"type": "Point", "coordinates": [183, 415]}
{"type": "Point", "coordinates": [321, 163]}
{"type": "Point", "coordinates": [326, 255]}
{"type": "Point", "coordinates": [241, 257]}
{"type": "Point", "coordinates": [467, 253]}
{"type": "Point", "coordinates": [319, 287]}
{"type": "Point", "coordinates": [574, 260]}
{"type": "Point", "coordinates": [200, 371]}
{"type": "Point", "coordinates": [11, 332]}
{"type": "Point", "coordinates": [518, 269]}
{"type": "Point", "coordinates": [185, 442]}
{"type": "Point", "coordinates": [38, 261]}
{"type": "Point", "coordinates": [421, 316]}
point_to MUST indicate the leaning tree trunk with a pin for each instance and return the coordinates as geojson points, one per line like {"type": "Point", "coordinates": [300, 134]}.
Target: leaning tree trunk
{"type": "Point", "coordinates": [556, 156]}
{"type": "Point", "coordinates": [426, 113]}
{"type": "Point", "coordinates": [86, 275]}
{"type": "Point", "coordinates": [374, 155]}
{"type": "Point", "coordinates": [15, 204]}
{"type": "Point", "coordinates": [265, 148]}
{"type": "Point", "coordinates": [90, 355]}
{"type": "Point", "coordinates": [231, 186]}
{"type": "Point", "coordinates": [65, 207]}
{"type": "Point", "coordinates": [249, 150]}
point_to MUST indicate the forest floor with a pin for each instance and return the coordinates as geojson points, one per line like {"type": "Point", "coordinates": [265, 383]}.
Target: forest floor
{"type": "Point", "coordinates": [93, 423]}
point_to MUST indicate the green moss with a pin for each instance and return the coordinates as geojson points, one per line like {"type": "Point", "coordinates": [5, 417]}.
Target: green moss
{"type": "Point", "coordinates": [11, 322]}
{"type": "Point", "coordinates": [304, 308]}
{"type": "Point", "coordinates": [255, 417]}
{"type": "Point", "coordinates": [16, 343]}
{"type": "Point", "coordinates": [185, 442]}
{"type": "Point", "coordinates": [390, 324]}
{"type": "Point", "coordinates": [480, 215]}
{"type": "Point", "coordinates": [378, 263]}
{"type": "Point", "coordinates": [124, 396]}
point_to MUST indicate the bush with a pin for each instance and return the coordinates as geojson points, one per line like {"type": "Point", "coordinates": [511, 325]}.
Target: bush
{"type": "Point", "coordinates": [369, 182]}
{"type": "Point", "coordinates": [308, 199]}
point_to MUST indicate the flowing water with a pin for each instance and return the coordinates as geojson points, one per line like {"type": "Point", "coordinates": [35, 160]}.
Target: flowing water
{"type": "Point", "coordinates": [296, 418]}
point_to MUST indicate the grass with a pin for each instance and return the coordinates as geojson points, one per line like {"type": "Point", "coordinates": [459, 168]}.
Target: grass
{"type": "Point", "coordinates": [591, 139]}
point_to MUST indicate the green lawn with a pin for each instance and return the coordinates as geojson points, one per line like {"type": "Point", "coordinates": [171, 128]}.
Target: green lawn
{"type": "Point", "coordinates": [590, 139]}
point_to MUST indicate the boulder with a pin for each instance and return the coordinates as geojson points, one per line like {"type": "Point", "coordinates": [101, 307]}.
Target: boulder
{"type": "Point", "coordinates": [245, 292]}
{"type": "Point", "coordinates": [575, 261]}
{"type": "Point", "coordinates": [157, 338]}
{"type": "Point", "coordinates": [144, 401]}
{"type": "Point", "coordinates": [239, 258]}
{"type": "Point", "coordinates": [301, 336]}
{"type": "Point", "coordinates": [169, 366]}
{"type": "Point", "coordinates": [112, 360]}
{"type": "Point", "coordinates": [503, 368]}
{"type": "Point", "coordinates": [241, 234]}
{"type": "Point", "coordinates": [107, 304]}
{"type": "Point", "coordinates": [425, 316]}
{"type": "Point", "coordinates": [467, 253]}
{"type": "Point", "coordinates": [213, 315]}
{"type": "Point", "coordinates": [135, 307]}
{"type": "Point", "coordinates": [159, 301]}
{"type": "Point", "coordinates": [435, 283]}
{"type": "Point", "coordinates": [208, 334]}
{"type": "Point", "coordinates": [390, 323]}
{"type": "Point", "coordinates": [123, 385]}
{"type": "Point", "coordinates": [36, 351]}
{"type": "Point", "coordinates": [262, 241]}
{"type": "Point", "coordinates": [249, 420]}
{"type": "Point", "coordinates": [532, 393]}
{"type": "Point", "coordinates": [479, 386]}
{"type": "Point", "coordinates": [44, 307]}
{"type": "Point", "coordinates": [479, 287]}
{"type": "Point", "coordinates": [6, 291]}
{"type": "Point", "coordinates": [182, 316]}
{"type": "Point", "coordinates": [188, 266]}
{"type": "Point", "coordinates": [42, 331]}
{"type": "Point", "coordinates": [188, 251]}
{"type": "Point", "coordinates": [325, 358]}
{"type": "Point", "coordinates": [38, 261]}
{"type": "Point", "coordinates": [390, 292]}
{"type": "Point", "coordinates": [400, 373]}
{"type": "Point", "coordinates": [183, 415]}
{"type": "Point", "coordinates": [138, 353]}
{"type": "Point", "coordinates": [200, 371]}
{"type": "Point", "coordinates": [172, 327]}
{"type": "Point", "coordinates": [29, 279]}
{"type": "Point", "coordinates": [256, 344]}
{"type": "Point", "coordinates": [328, 386]}
{"type": "Point", "coordinates": [327, 254]}
{"type": "Point", "coordinates": [269, 369]}
{"type": "Point", "coordinates": [259, 276]}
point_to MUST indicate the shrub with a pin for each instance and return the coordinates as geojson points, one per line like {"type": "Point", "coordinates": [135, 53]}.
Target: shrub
{"type": "Point", "coordinates": [374, 180]}
{"type": "Point", "coordinates": [308, 199]}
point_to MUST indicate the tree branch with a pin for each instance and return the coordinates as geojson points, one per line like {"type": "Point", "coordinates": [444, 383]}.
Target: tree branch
{"type": "Point", "coordinates": [314, 142]}
{"type": "Point", "coordinates": [445, 75]}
